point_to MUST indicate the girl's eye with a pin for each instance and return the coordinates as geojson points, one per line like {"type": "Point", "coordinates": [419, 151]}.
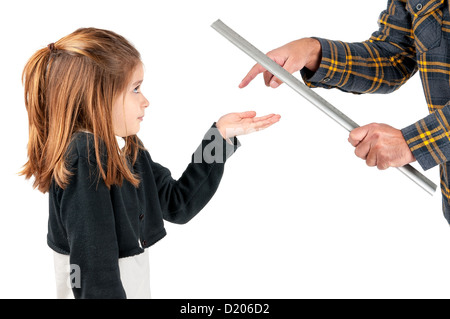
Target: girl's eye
{"type": "Point", "coordinates": [136, 90]}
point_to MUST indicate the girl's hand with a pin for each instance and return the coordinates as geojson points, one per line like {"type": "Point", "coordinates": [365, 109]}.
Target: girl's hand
{"type": "Point", "coordinates": [234, 124]}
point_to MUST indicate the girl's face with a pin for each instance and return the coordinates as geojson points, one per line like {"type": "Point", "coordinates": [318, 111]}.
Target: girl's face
{"type": "Point", "coordinates": [129, 108]}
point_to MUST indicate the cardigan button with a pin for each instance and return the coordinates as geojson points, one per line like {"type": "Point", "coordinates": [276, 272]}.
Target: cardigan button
{"type": "Point", "coordinates": [141, 216]}
{"type": "Point", "coordinates": [144, 243]}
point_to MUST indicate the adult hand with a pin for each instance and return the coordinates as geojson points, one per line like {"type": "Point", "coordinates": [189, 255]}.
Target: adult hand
{"type": "Point", "coordinates": [381, 145]}
{"type": "Point", "coordinates": [234, 124]}
{"type": "Point", "coordinates": [294, 56]}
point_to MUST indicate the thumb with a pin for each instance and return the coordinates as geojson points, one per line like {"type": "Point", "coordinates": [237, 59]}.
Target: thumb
{"type": "Point", "coordinates": [248, 114]}
{"type": "Point", "coordinates": [357, 135]}
{"type": "Point", "coordinates": [291, 66]}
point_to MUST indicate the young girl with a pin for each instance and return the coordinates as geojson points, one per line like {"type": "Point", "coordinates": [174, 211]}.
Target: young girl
{"type": "Point", "coordinates": [107, 203]}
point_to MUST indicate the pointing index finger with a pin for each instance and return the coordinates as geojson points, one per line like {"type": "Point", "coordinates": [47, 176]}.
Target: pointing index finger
{"type": "Point", "coordinates": [254, 71]}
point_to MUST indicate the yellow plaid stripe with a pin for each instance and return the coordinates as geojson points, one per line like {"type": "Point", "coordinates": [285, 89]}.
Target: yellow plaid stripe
{"type": "Point", "coordinates": [412, 37]}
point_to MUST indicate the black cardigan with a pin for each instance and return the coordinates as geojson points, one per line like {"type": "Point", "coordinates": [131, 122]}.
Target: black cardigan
{"type": "Point", "coordinates": [96, 226]}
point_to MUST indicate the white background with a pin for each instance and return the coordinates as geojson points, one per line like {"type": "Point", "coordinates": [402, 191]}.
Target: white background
{"type": "Point", "coordinates": [297, 215]}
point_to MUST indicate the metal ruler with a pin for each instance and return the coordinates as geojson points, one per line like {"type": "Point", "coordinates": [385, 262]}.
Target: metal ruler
{"type": "Point", "coordinates": [310, 95]}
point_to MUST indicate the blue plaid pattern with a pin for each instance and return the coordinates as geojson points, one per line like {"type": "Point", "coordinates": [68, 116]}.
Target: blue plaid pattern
{"type": "Point", "coordinates": [413, 35]}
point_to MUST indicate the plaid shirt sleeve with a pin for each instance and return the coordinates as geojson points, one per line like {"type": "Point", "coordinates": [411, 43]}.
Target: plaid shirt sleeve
{"type": "Point", "coordinates": [428, 138]}
{"type": "Point", "coordinates": [379, 65]}
{"type": "Point", "coordinates": [407, 29]}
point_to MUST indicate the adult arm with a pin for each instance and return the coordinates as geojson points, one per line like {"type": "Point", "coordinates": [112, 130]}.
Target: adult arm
{"type": "Point", "coordinates": [379, 65]}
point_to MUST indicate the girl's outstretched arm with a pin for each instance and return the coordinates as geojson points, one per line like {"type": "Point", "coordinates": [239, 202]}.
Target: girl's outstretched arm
{"type": "Point", "coordinates": [182, 199]}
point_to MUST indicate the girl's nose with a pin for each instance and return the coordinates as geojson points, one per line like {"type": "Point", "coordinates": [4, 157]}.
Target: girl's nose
{"type": "Point", "coordinates": [145, 103]}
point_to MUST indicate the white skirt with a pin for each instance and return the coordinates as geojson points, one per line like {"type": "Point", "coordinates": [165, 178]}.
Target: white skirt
{"type": "Point", "coordinates": [134, 274]}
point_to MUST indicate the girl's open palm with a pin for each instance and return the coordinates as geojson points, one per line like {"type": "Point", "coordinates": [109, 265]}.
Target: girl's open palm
{"type": "Point", "coordinates": [234, 124]}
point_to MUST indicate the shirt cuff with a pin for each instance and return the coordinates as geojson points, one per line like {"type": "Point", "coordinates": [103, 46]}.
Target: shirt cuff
{"type": "Point", "coordinates": [214, 148]}
{"type": "Point", "coordinates": [332, 67]}
{"type": "Point", "coordinates": [428, 139]}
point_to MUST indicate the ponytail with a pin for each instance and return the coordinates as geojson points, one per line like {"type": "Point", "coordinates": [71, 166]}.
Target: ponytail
{"type": "Point", "coordinates": [35, 83]}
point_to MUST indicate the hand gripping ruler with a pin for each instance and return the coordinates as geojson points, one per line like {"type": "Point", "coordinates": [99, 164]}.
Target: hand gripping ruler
{"type": "Point", "coordinates": [310, 95]}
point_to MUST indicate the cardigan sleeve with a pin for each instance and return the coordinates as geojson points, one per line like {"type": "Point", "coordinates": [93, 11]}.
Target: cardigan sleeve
{"type": "Point", "coordinates": [379, 65]}
{"type": "Point", "coordinates": [88, 217]}
{"type": "Point", "coordinates": [184, 198]}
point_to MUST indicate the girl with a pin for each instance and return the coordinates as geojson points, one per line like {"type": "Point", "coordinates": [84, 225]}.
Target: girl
{"type": "Point", "coordinates": [107, 203]}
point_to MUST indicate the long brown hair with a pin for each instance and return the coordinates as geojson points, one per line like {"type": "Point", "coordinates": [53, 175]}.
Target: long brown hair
{"type": "Point", "coordinates": [70, 86]}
